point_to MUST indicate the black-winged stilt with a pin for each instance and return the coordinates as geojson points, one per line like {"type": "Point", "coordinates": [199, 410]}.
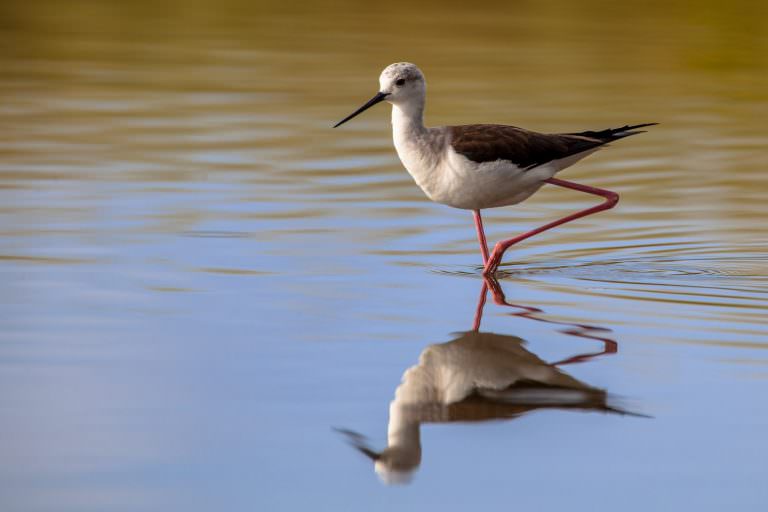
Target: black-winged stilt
{"type": "Point", "coordinates": [480, 166]}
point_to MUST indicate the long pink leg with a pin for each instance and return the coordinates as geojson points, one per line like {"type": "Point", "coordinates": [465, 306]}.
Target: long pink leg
{"type": "Point", "coordinates": [611, 198]}
{"type": "Point", "coordinates": [480, 306]}
{"type": "Point", "coordinates": [580, 330]}
{"type": "Point", "coordinates": [481, 236]}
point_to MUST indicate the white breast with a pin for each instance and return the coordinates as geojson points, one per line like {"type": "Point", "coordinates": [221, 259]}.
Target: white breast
{"type": "Point", "coordinates": [450, 178]}
{"type": "Point", "coordinates": [421, 153]}
{"type": "Point", "coordinates": [471, 185]}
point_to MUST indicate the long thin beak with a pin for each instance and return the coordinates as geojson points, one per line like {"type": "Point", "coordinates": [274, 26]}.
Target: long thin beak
{"type": "Point", "coordinates": [358, 441]}
{"type": "Point", "coordinates": [374, 456]}
{"type": "Point", "coordinates": [376, 99]}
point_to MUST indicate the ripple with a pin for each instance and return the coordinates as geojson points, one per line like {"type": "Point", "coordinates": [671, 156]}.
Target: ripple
{"type": "Point", "coordinates": [46, 260]}
{"type": "Point", "coordinates": [642, 269]}
{"type": "Point", "coordinates": [727, 281]}
{"type": "Point", "coordinates": [232, 271]}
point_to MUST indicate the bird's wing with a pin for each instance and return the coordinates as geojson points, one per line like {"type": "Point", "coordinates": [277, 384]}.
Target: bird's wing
{"type": "Point", "coordinates": [524, 148]}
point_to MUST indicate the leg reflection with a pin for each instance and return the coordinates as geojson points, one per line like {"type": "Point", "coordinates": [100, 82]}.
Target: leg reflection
{"type": "Point", "coordinates": [573, 329]}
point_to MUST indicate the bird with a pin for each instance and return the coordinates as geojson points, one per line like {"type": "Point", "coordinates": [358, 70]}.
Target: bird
{"type": "Point", "coordinates": [479, 166]}
{"type": "Point", "coordinates": [475, 377]}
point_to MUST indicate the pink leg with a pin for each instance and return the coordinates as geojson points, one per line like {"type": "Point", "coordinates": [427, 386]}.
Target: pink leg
{"type": "Point", "coordinates": [609, 347]}
{"type": "Point", "coordinates": [611, 198]}
{"type": "Point", "coordinates": [580, 330]}
{"type": "Point", "coordinates": [480, 306]}
{"type": "Point", "coordinates": [481, 236]}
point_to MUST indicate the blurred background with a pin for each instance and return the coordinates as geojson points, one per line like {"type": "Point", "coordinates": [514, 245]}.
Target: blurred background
{"type": "Point", "coordinates": [200, 278]}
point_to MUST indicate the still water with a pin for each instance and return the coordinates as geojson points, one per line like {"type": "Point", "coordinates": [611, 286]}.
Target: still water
{"type": "Point", "coordinates": [212, 301]}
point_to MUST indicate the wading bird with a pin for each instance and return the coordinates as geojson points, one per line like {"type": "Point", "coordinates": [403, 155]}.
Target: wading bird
{"type": "Point", "coordinates": [480, 166]}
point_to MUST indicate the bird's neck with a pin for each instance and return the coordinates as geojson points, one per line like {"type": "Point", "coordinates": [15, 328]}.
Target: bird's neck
{"type": "Point", "coordinates": [418, 147]}
{"type": "Point", "coordinates": [408, 119]}
{"type": "Point", "coordinates": [403, 433]}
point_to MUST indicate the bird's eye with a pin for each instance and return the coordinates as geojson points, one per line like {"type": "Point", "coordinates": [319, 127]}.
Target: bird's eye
{"type": "Point", "coordinates": [400, 82]}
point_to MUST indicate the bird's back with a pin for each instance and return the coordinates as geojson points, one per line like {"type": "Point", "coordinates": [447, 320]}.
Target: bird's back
{"type": "Point", "coordinates": [525, 148]}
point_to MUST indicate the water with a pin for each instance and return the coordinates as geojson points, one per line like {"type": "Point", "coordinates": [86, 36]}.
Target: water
{"type": "Point", "coordinates": [202, 280]}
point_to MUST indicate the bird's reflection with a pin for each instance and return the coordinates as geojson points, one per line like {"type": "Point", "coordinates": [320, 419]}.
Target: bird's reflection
{"type": "Point", "coordinates": [478, 376]}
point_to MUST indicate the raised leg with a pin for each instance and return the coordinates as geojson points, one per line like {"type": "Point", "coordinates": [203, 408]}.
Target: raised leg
{"type": "Point", "coordinates": [611, 198]}
{"type": "Point", "coordinates": [481, 236]}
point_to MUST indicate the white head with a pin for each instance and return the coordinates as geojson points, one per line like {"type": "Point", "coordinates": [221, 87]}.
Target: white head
{"type": "Point", "coordinates": [396, 464]}
{"type": "Point", "coordinates": [400, 83]}
{"type": "Point", "coordinates": [391, 472]}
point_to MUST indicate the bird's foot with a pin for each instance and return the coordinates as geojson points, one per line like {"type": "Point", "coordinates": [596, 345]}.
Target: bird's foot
{"type": "Point", "coordinates": [495, 288]}
{"type": "Point", "coordinates": [492, 284]}
{"type": "Point", "coordinates": [494, 260]}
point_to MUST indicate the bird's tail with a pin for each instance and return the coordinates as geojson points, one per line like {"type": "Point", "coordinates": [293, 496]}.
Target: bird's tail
{"type": "Point", "coordinates": [615, 133]}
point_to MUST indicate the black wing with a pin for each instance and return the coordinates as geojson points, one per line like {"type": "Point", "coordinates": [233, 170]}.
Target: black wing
{"type": "Point", "coordinates": [527, 149]}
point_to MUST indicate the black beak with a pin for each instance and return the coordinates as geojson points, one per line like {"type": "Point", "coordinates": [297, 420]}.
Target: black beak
{"type": "Point", "coordinates": [358, 441]}
{"type": "Point", "coordinates": [376, 99]}
{"type": "Point", "coordinates": [374, 456]}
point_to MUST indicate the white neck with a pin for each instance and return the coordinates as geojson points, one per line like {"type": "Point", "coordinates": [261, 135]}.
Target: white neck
{"type": "Point", "coordinates": [403, 436]}
{"type": "Point", "coordinates": [419, 148]}
{"type": "Point", "coordinates": [408, 117]}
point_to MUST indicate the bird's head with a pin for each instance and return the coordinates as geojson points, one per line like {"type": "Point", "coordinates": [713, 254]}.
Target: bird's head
{"type": "Point", "coordinates": [399, 83]}
{"type": "Point", "coordinates": [393, 465]}
{"type": "Point", "coordinates": [402, 82]}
